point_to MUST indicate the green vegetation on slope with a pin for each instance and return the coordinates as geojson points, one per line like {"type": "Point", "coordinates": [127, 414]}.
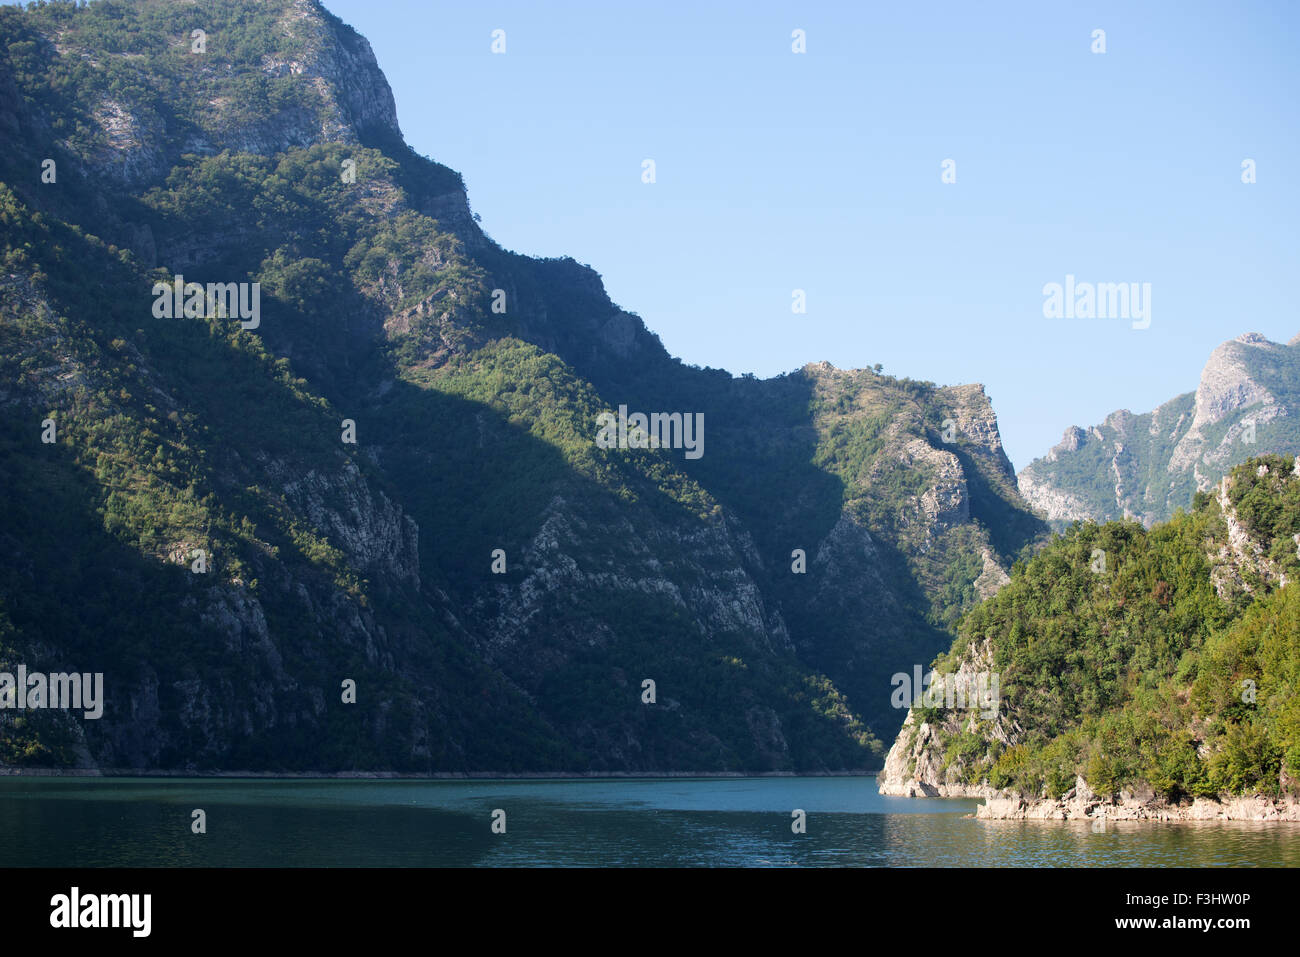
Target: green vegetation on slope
{"type": "Point", "coordinates": [1119, 658]}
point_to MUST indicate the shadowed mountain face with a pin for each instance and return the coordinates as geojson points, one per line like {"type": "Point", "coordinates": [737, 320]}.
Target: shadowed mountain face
{"type": "Point", "coordinates": [388, 473]}
{"type": "Point", "coordinates": [1148, 466]}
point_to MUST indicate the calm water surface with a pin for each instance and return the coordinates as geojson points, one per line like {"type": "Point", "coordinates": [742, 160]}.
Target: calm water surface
{"type": "Point", "coordinates": [145, 822]}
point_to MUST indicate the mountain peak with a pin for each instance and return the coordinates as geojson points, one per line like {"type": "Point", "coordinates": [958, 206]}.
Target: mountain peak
{"type": "Point", "coordinates": [1254, 338]}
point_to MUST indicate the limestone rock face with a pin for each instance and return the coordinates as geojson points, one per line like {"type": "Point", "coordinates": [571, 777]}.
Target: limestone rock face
{"type": "Point", "coordinates": [347, 100]}
{"type": "Point", "coordinates": [1241, 558]}
{"type": "Point", "coordinates": [917, 764]}
{"type": "Point", "coordinates": [992, 578]}
{"type": "Point", "coordinates": [947, 501]}
{"type": "Point", "coordinates": [1057, 504]}
{"type": "Point", "coordinates": [1227, 387]}
{"type": "Point", "coordinates": [1071, 442]}
{"type": "Point", "coordinates": [914, 768]}
{"type": "Point", "coordinates": [371, 529]}
{"type": "Point", "coordinates": [976, 422]}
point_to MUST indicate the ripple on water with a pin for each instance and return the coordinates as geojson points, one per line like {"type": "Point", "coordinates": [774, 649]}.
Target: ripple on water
{"type": "Point", "coordinates": [706, 822]}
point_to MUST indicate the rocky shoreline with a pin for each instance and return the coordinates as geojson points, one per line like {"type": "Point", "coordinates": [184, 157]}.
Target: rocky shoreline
{"type": "Point", "coordinates": [914, 789]}
{"type": "Point", "coordinates": [1081, 803]}
{"type": "Point", "coordinates": [912, 769]}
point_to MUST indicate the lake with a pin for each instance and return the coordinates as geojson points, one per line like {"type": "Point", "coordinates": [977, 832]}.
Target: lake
{"type": "Point", "coordinates": [746, 822]}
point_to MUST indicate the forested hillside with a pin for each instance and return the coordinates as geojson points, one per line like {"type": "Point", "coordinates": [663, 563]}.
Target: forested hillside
{"type": "Point", "coordinates": [390, 474]}
{"type": "Point", "coordinates": [1164, 662]}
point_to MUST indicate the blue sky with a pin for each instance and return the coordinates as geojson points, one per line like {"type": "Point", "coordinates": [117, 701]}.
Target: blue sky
{"type": "Point", "coordinates": [821, 172]}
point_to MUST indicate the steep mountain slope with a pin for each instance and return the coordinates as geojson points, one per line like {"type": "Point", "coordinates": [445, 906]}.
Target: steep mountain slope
{"type": "Point", "coordinates": [1148, 466]}
{"type": "Point", "coordinates": [1161, 666]}
{"type": "Point", "coordinates": [497, 583]}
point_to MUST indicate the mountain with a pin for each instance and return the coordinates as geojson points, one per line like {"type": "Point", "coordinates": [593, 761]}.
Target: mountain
{"type": "Point", "coordinates": [1139, 673]}
{"type": "Point", "coordinates": [1148, 466]}
{"type": "Point", "coordinates": [393, 472]}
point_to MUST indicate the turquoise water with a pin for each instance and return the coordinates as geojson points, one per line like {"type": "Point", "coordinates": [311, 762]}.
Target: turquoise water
{"type": "Point", "coordinates": [125, 822]}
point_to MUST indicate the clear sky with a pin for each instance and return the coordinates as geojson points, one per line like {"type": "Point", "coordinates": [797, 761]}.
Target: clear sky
{"type": "Point", "coordinates": [822, 171]}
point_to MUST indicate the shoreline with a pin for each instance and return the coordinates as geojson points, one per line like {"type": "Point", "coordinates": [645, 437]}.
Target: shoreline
{"type": "Point", "coordinates": [9, 772]}
{"type": "Point", "coordinates": [1249, 808]}
{"type": "Point", "coordinates": [1081, 803]}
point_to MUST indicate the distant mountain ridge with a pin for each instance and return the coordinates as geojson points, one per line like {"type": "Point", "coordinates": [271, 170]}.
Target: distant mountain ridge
{"type": "Point", "coordinates": [1147, 466]}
